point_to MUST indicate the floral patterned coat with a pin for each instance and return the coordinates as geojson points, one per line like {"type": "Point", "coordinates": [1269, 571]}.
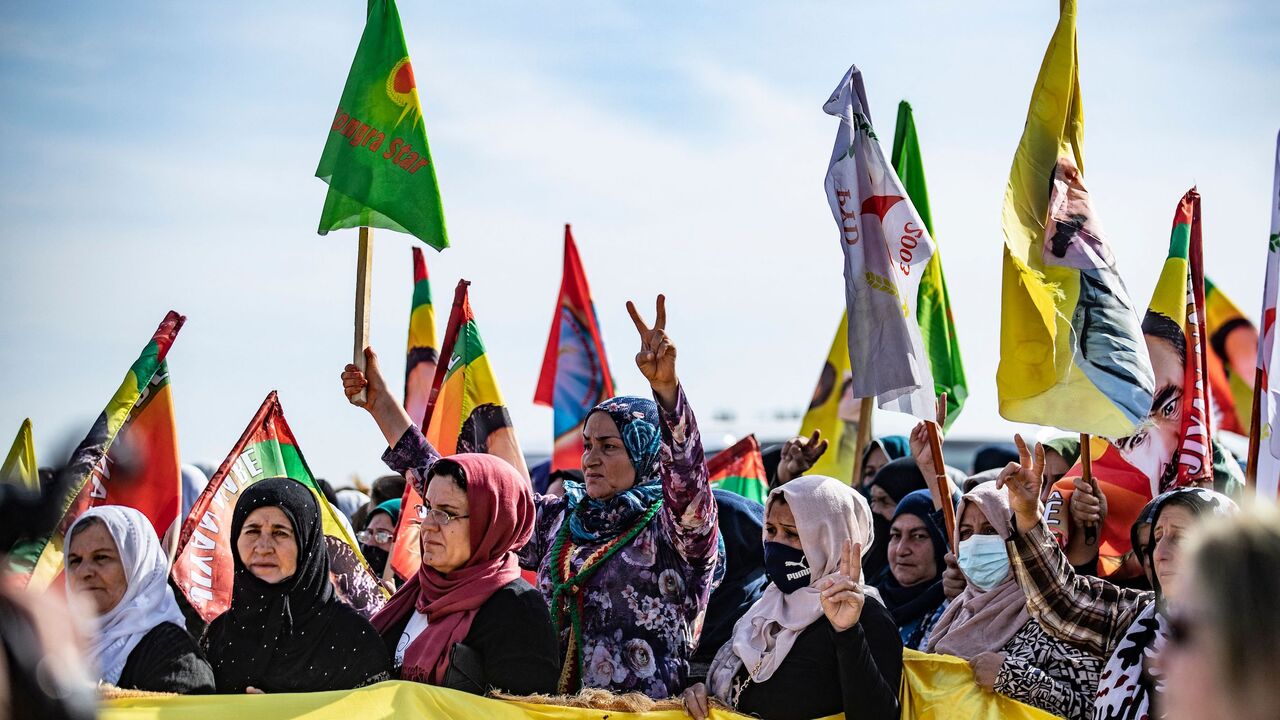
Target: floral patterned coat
{"type": "Point", "coordinates": [643, 609]}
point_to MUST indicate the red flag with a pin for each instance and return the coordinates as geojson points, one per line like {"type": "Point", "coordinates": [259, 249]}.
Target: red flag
{"type": "Point", "coordinates": [204, 569]}
{"type": "Point", "coordinates": [1195, 454]}
{"type": "Point", "coordinates": [575, 372]}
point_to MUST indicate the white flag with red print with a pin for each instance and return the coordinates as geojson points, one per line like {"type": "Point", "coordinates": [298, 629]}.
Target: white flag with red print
{"type": "Point", "coordinates": [886, 248]}
{"type": "Point", "coordinates": [1268, 472]}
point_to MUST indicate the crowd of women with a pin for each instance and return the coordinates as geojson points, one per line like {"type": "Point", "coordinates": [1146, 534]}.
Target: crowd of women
{"type": "Point", "coordinates": [647, 580]}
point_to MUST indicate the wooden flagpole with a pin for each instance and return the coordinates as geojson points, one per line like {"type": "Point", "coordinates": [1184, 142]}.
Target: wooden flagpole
{"type": "Point", "coordinates": [943, 484]}
{"type": "Point", "coordinates": [364, 268]}
{"type": "Point", "coordinates": [865, 408]}
{"type": "Point", "coordinates": [1086, 474]}
{"type": "Point", "coordinates": [1255, 432]}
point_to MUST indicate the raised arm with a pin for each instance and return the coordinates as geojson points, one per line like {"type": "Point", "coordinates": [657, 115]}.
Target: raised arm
{"type": "Point", "coordinates": [408, 451]}
{"type": "Point", "coordinates": [1087, 612]}
{"type": "Point", "coordinates": [689, 508]}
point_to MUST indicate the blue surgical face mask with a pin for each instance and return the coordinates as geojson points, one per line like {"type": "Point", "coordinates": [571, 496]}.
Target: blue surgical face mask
{"type": "Point", "coordinates": [786, 567]}
{"type": "Point", "coordinates": [984, 560]}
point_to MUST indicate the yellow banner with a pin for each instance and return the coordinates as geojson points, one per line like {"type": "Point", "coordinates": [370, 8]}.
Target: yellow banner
{"type": "Point", "coordinates": [935, 687]}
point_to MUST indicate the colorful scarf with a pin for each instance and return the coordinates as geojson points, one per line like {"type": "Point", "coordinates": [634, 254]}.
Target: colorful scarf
{"type": "Point", "coordinates": [594, 521]}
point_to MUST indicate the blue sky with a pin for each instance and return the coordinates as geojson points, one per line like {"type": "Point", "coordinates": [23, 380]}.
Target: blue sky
{"type": "Point", "coordinates": [161, 155]}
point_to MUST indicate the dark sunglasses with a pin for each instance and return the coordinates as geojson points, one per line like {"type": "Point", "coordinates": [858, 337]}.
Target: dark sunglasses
{"type": "Point", "coordinates": [1182, 630]}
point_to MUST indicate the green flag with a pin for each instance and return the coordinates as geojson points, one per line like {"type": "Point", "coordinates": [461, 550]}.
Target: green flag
{"type": "Point", "coordinates": [933, 309]}
{"type": "Point", "coordinates": [376, 160]}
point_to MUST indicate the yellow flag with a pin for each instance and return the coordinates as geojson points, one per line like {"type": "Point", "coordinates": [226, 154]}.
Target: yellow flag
{"type": "Point", "coordinates": [20, 466]}
{"type": "Point", "coordinates": [1072, 353]}
{"type": "Point", "coordinates": [941, 687]}
{"type": "Point", "coordinates": [834, 411]}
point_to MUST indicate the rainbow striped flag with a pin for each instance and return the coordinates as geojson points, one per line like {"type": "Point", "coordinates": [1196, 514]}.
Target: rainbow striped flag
{"type": "Point", "coordinates": [204, 569]}
{"type": "Point", "coordinates": [19, 465]}
{"type": "Point", "coordinates": [575, 372]}
{"type": "Point", "coordinates": [739, 468]}
{"type": "Point", "coordinates": [1233, 351]}
{"type": "Point", "coordinates": [467, 413]}
{"type": "Point", "coordinates": [1172, 444]}
{"type": "Point", "coordinates": [933, 306]}
{"type": "Point", "coordinates": [834, 411]}
{"type": "Point", "coordinates": [129, 457]}
{"type": "Point", "coordinates": [420, 362]}
{"type": "Point", "coordinates": [1071, 352]}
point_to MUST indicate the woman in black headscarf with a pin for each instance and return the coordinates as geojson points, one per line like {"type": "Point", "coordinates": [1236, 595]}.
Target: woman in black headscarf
{"type": "Point", "coordinates": [893, 482]}
{"type": "Point", "coordinates": [741, 524]}
{"type": "Point", "coordinates": [286, 630]}
{"type": "Point", "coordinates": [912, 588]}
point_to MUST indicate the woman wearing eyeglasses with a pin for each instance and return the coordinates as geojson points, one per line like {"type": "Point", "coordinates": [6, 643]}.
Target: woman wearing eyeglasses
{"type": "Point", "coordinates": [379, 536]}
{"type": "Point", "coordinates": [467, 620]}
{"type": "Point", "coordinates": [626, 560]}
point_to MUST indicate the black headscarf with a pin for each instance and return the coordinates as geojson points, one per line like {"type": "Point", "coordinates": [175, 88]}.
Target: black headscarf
{"type": "Point", "coordinates": [295, 635]}
{"type": "Point", "coordinates": [1146, 517]}
{"type": "Point", "coordinates": [908, 604]}
{"type": "Point", "coordinates": [992, 457]}
{"type": "Point", "coordinates": [1200, 501]}
{"type": "Point", "coordinates": [741, 526]}
{"type": "Point", "coordinates": [897, 478]}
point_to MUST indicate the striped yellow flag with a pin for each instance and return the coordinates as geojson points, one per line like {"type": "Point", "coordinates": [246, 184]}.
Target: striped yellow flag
{"type": "Point", "coordinates": [1071, 348]}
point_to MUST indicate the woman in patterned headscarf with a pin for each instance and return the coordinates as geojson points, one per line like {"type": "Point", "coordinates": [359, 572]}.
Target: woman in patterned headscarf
{"type": "Point", "coordinates": [1128, 627]}
{"type": "Point", "coordinates": [627, 558]}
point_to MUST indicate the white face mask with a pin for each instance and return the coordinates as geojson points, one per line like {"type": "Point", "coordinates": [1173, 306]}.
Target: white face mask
{"type": "Point", "coordinates": [984, 560]}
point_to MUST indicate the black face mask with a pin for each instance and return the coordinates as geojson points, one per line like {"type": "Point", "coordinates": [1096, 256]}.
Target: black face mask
{"type": "Point", "coordinates": [376, 557]}
{"type": "Point", "coordinates": [786, 567]}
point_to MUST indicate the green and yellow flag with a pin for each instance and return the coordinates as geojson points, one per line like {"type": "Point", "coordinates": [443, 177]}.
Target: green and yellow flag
{"type": "Point", "coordinates": [19, 466]}
{"type": "Point", "coordinates": [467, 413]}
{"type": "Point", "coordinates": [834, 411]}
{"type": "Point", "coordinates": [1071, 348]}
{"type": "Point", "coordinates": [933, 308]}
{"type": "Point", "coordinates": [376, 161]}
{"type": "Point", "coordinates": [138, 419]}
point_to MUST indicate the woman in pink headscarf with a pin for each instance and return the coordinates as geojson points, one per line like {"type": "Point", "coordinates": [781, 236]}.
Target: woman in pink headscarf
{"type": "Point", "coordinates": [988, 623]}
{"type": "Point", "coordinates": [467, 620]}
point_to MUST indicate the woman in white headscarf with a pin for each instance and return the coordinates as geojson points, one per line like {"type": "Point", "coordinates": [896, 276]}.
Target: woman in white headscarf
{"type": "Point", "coordinates": [114, 560]}
{"type": "Point", "coordinates": [819, 641]}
